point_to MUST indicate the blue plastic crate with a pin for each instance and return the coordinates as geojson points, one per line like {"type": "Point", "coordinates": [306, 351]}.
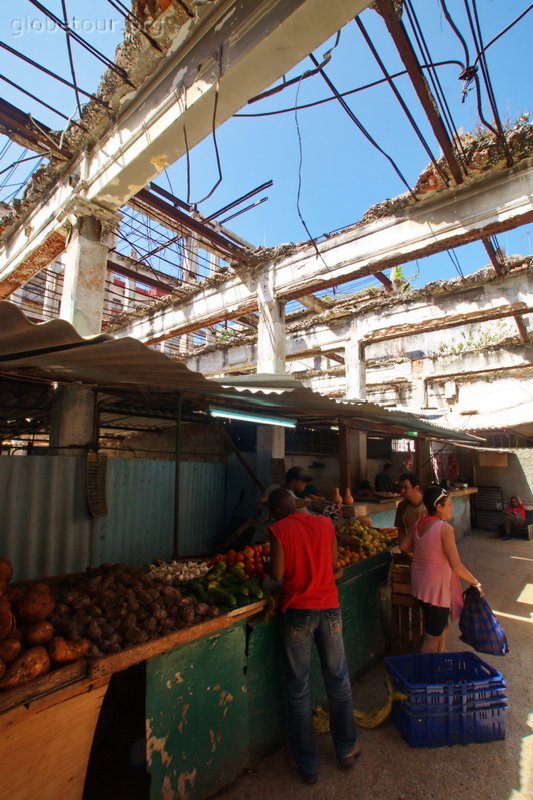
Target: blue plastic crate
{"type": "Point", "coordinates": [442, 728]}
{"type": "Point", "coordinates": [445, 679]}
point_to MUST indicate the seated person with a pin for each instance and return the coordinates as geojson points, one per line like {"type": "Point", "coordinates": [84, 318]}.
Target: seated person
{"type": "Point", "coordinates": [383, 480]}
{"type": "Point", "coordinates": [514, 516]}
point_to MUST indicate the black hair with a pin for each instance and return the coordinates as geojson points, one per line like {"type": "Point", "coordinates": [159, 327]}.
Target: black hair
{"type": "Point", "coordinates": [387, 466]}
{"type": "Point", "coordinates": [412, 477]}
{"type": "Point", "coordinates": [432, 494]}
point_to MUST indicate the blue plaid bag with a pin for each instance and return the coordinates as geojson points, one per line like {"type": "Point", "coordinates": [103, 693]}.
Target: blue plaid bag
{"type": "Point", "coordinates": [479, 627]}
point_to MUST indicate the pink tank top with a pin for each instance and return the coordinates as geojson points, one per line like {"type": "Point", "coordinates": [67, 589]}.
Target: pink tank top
{"type": "Point", "coordinates": [432, 578]}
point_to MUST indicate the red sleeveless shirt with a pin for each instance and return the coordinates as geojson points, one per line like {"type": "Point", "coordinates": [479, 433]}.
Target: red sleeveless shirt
{"type": "Point", "coordinates": [307, 542]}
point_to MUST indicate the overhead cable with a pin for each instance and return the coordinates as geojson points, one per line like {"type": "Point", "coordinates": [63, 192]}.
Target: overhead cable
{"type": "Point", "coordinates": [361, 127]}
{"type": "Point", "coordinates": [478, 41]}
{"type": "Point", "coordinates": [401, 101]}
{"type": "Point", "coordinates": [440, 96]}
{"type": "Point", "coordinates": [371, 85]}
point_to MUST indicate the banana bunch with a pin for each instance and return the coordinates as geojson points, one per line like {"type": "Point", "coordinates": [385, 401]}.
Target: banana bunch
{"type": "Point", "coordinates": [363, 719]}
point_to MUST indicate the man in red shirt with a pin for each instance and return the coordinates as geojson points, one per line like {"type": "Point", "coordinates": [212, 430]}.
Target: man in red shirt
{"type": "Point", "coordinates": [303, 555]}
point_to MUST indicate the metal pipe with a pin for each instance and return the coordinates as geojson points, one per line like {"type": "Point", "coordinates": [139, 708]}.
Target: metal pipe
{"type": "Point", "coordinates": [177, 477]}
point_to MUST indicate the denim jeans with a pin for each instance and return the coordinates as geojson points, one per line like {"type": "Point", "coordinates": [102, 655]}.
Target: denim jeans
{"type": "Point", "coordinates": [299, 629]}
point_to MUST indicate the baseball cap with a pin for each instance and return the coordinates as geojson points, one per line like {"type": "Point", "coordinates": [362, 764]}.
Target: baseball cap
{"type": "Point", "coordinates": [296, 474]}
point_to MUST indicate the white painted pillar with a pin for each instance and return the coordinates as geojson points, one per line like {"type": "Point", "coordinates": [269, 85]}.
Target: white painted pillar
{"type": "Point", "coordinates": [355, 364]}
{"type": "Point", "coordinates": [85, 274]}
{"type": "Point", "coordinates": [129, 294]}
{"type": "Point", "coordinates": [190, 266]}
{"type": "Point", "coordinates": [419, 372]}
{"type": "Point", "coordinates": [271, 349]}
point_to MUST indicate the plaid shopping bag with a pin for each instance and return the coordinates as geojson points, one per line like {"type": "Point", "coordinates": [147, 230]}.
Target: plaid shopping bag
{"type": "Point", "coordinates": [479, 627]}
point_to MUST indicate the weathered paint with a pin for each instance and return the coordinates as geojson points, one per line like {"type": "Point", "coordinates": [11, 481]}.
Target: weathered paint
{"type": "Point", "coordinates": [203, 719]}
{"type": "Point", "coordinates": [227, 712]}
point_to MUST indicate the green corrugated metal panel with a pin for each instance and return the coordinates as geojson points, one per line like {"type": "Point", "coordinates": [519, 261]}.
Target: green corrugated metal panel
{"type": "Point", "coordinates": [196, 708]}
{"type": "Point", "coordinates": [363, 630]}
{"type": "Point", "coordinates": [266, 725]}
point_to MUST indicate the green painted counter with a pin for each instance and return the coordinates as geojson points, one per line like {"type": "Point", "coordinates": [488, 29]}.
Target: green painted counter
{"type": "Point", "coordinates": [215, 706]}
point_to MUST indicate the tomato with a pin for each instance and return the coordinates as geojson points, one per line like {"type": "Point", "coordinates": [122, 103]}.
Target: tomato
{"type": "Point", "coordinates": [219, 557]}
{"type": "Point", "coordinates": [247, 552]}
{"type": "Point", "coordinates": [239, 557]}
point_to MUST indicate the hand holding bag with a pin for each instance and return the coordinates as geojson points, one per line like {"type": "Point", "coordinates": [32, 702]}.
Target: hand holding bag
{"type": "Point", "coordinates": [479, 627]}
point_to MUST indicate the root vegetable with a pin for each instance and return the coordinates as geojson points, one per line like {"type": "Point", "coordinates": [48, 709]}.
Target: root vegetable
{"type": "Point", "coordinates": [39, 633]}
{"type": "Point", "coordinates": [9, 650]}
{"type": "Point", "coordinates": [63, 652]}
{"type": "Point", "coordinates": [34, 606]}
{"type": "Point", "coordinates": [6, 570]}
{"type": "Point", "coordinates": [26, 667]}
{"type": "Point", "coordinates": [7, 620]}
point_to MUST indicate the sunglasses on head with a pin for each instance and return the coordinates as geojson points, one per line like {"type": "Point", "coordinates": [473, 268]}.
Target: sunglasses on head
{"type": "Point", "coordinates": [443, 493]}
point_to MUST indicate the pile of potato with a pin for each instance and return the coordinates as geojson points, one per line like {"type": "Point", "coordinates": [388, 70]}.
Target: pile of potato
{"type": "Point", "coordinates": [28, 644]}
{"type": "Point", "coordinates": [102, 611]}
{"type": "Point", "coordinates": [114, 607]}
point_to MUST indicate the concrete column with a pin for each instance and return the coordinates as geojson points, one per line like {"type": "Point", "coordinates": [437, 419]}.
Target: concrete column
{"type": "Point", "coordinates": [354, 359]}
{"type": "Point", "coordinates": [271, 348]}
{"type": "Point", "coordinates": [424, 468]}
{"type": "Point", "coordinates": [129, 294]}
{"type": "Point", "coordinates": [72, 421]}
{"type": "Point", "coordinates": [85, 273]}
{"type": "Point", "coordinates": [419, 371]}
{"type": "Point", "coordinates": [190, 266]}
{"type": "Point", "coordinates": [270, 359]}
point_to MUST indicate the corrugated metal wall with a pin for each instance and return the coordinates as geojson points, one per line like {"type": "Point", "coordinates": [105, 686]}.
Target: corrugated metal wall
{"type": "Point", "coordinates": [139, 525]}
{"type": "Point", "coordinates": [45, 527]}
{"type": "Point", "coordinates": [202, 512]}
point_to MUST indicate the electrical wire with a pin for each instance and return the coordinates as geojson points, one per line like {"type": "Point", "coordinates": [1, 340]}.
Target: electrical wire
{"type": "Point", "coordinates": [135, 21]}
{"type": "Point", "coordinates": [298, 193]}
{"type": "Point", "coordinates": [41, 102]}
{"type": "Point", "coordinates": [70, 57]}
{"type": "Point", "coordinates": [401, 101]}
{"type": "Point", "coordinates": [361, 127]}
{"type": "Point", "coordinates": [502, 32]}
{"type": "Point", "coordinates": [213, 133]}
{"type": "Point", "coordinates": [120, 71]}
{"type": "Point", "coordinates": [49, 72]}
{"type": "Point", "coordinates": [371, 85]}
{"type": "Point", "coordinates": [439, 94]}
{"type": "Point", "coordinates": [478, 41]}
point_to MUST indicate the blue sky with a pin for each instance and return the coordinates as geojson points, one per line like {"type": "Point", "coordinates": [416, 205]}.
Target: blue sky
{"type": "Point", "coordinates": [341, 174]}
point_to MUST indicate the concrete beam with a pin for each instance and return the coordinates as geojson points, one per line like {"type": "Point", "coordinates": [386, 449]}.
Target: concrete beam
{"type": "Point", "coordinates": [487, 205]}
{"type": "Point", "coordinates": [229, 52]}
{"type": "Point", "coordinates": [481, 302]}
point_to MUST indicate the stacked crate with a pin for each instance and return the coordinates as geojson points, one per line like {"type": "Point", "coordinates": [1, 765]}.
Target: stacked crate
{"type": "Point", "coordinates": [451, 698]}
{"type": "Point", "coordinates": [407, 628]}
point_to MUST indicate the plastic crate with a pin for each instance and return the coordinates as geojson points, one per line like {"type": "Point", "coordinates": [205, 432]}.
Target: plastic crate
{"type": "Point", "coordinates": [441, 728]}
{"type": "Point", "coordinates": [445, 679]}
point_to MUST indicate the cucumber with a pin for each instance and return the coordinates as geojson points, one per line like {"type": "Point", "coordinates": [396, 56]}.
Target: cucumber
{"type": "Point", "coordinates": [199, 590]}
{"type": "Point", "coordinates": [255, 590]}
{"type": "Point", "coordinates": [223, 597]}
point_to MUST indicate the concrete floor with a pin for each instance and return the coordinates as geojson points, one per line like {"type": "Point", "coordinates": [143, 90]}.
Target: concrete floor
{"type": "Point", "coordinates": [388, 768]}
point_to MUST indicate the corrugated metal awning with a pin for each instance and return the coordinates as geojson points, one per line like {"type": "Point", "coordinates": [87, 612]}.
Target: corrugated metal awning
{"type": "Point", "coordinates": [54, 352]}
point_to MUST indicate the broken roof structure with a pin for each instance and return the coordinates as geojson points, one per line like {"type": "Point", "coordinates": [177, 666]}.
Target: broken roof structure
{"type": "Point", "coordinates": [137, 261]}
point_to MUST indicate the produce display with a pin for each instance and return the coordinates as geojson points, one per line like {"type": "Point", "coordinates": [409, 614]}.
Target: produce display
{"type": "Point", "coordinates": [363, 542]}
{"type": "Point", "coordinates": [177, 571]}
{"type": "Point", "coordinates": [113, 607]}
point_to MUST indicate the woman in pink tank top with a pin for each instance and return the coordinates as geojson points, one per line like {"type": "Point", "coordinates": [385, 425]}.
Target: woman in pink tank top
{"type": "Point", "coordinates": [436, 569]}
